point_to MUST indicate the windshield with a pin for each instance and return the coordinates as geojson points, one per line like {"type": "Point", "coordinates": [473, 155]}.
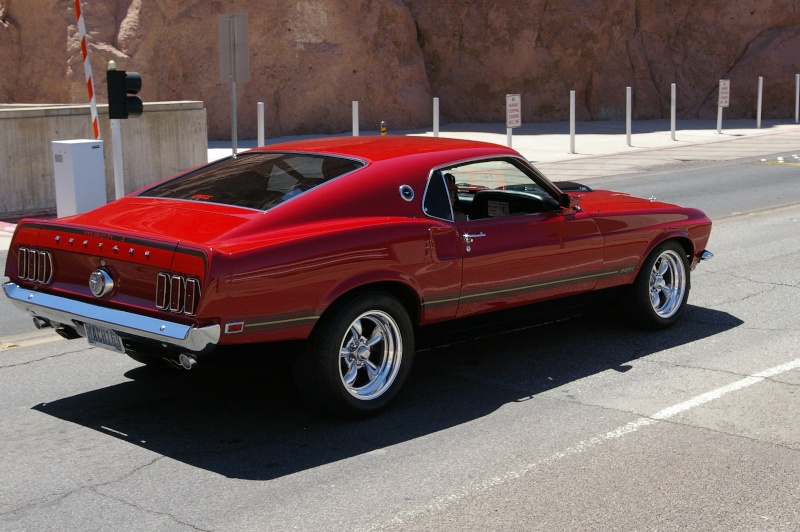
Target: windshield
{"type": "Point", "coordinates": [254, 180]}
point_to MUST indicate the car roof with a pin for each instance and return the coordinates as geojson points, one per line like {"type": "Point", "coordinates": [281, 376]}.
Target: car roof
{"type": "Point", "coordinates": [375, 148]}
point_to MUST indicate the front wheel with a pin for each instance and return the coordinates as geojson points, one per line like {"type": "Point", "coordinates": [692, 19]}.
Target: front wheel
{"type": "Point", "coordinates": [658, 296]}
{"type": "Point", "coordinates": [358, 357]}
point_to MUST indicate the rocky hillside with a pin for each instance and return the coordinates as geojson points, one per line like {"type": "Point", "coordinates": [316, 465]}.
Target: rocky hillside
{"type": "Point", "coordinates": [310, 58]}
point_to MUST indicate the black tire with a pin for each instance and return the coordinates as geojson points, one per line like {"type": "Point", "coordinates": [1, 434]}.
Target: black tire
{"type": "Point", "coordinates": [658, 296]}
{"type": "Point", "coordinates": [358, 356]}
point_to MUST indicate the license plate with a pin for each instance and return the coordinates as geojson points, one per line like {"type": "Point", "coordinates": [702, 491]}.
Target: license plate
{"type": "Point", "coordinates": [105, 338]}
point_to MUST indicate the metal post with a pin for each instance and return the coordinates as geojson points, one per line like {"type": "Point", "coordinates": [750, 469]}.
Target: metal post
{"type": "Point", "coordinates": [116, 148]}
{"type": "Point", "coordinates": [355, 118]}
{"type": "Point", "coordinates": [797, 98]}
{"type": "Point", "coordinates": [260, 118]}
{"type": "Point", "coordinates": [572, 121]}
{"type": "Point", "coordinates": [508, 135]}
{"type": "Point", "coordinates": [628, 108]}
{"type": "Point", "coordinates": [234, 123]}
{"type": "Point", "coordinates": [719, 120]}
{"type": "Point", "coordinates": [436, 117]}
{"type": "Point", "coordinates": [673, 106]}
{"type": "Point", "coordinates": [760, 95]}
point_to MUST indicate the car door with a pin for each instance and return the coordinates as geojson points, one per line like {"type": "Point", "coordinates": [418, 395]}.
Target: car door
{"type": "Point", "coordinates": [518, 245]}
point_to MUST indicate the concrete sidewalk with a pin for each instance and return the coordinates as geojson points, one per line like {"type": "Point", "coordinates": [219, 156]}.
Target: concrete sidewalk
{"type": "Point", "coordinates": [600, 147]}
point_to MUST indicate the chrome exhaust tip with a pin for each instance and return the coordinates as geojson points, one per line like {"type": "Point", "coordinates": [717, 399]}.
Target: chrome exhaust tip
{"type": "Point", "coordinates": [706, 255]}
{"type": "Point", "coordinates": [187, 361]}
{"type": "Point", "coordinates": [40, 323]}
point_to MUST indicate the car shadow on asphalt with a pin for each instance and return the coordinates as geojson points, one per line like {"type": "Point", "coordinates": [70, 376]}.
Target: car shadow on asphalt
{"type": "Point", "coordinates": [252, 423]}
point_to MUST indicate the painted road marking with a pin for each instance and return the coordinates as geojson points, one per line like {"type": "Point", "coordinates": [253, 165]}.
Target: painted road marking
{"type": "Point", "coordinates": [585, 445]}
{"type": "Point", "coordinates": [29, 339]}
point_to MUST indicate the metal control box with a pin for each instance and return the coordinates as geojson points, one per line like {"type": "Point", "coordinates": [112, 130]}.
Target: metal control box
{"type": "Point", "coordinates": [80, 176]}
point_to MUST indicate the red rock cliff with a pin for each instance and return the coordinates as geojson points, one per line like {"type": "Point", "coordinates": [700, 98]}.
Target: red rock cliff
{"type": "Point", "coordinates": [309, 59]}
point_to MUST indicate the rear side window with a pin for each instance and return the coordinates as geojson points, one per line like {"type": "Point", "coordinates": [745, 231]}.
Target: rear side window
{"type": "Point", "coordinates": [254, 180]}
{"type": "Point", "coordinates": [437, 202]}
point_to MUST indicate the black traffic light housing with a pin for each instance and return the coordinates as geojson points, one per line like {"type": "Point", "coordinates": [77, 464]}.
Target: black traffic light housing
{"type": "Point", "coordinates": [122, 89]}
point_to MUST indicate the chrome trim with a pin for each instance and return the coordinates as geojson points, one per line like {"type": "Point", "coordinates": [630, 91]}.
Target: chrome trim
{"type": "Point", "coordinates": [706, 255]}
{"type": "Point", "coordinates": [22, 263]}
{"type": "Point", "coordinates": [100, 283]}
{"type": "Point", "coordinates": [192, 297]}
{"type": "Point", "coordinates": [58, 309]}
{"type": "Point", "coordinates": [162, 283]}
{"type": "Point", "coordinates": [177, 292]}
{"type": "Point", "coordinates": [234, 327]}
{"type": "Point", "coordinates": [34, 265]}
{"type": "Point", "coordinates": [406, 192]}
{"type": "Point", "coordinates": [468, 238]}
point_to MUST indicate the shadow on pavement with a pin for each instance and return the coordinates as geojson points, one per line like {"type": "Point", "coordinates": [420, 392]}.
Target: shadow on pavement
{"type": "Point", "coordinates": [252, 424]}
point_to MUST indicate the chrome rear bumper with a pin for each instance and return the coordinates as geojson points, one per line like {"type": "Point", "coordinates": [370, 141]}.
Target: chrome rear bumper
{"type": "Point", "coordinates": [61, 310]}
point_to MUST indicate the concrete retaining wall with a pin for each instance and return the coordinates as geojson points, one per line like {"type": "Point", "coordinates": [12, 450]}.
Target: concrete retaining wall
{"type": "Point", "coordinates": [169, 137]}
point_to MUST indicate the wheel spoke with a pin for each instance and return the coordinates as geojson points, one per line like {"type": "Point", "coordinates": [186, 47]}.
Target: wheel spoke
{"type": "Point", "coordinates": [655, 300]}
{"type": "Point", "coordinates": [372, 370]}
{"type": "Point", "coordinates": [376, 337]}
{"type": "Point", "coordinates": [355, 332]}
{"type": "Point", "coordinates": [663, 267]}
{"type": "Point", "coordinates": [352, 372]}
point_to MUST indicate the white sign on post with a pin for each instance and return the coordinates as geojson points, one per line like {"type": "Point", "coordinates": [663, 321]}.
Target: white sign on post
{"type": "Point", "coordinates": [724, 93]}
{"type": "Point", "coordinates": [513, 110]}
{"type": "Point", "coordinates": [234, 62]}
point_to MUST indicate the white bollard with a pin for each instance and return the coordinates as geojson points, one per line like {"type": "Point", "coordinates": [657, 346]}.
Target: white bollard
{"type": "Point", "coordinates": [797, 98]}
{"type": "Point", "coordinates": [760, 95]}
{"type": "Point", "coordinates": [673, 106]}
{"type": "Point", "coordinates": [628, 108]}
{"type": "Point", "coordinates": [436, 117]}
{"type": "Point", "coordinates": [260, 118]}
{"type": "Point", "coordinates": [355, 118]}
{"type": "Point", "coordinates": [572, 121]}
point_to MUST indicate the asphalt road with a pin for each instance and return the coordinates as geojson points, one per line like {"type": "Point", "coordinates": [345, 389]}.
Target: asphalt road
{"type": "Point", "coordinates": [580, 424]}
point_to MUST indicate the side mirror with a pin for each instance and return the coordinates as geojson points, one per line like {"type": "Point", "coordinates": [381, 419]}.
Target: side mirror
{"type": "Point", "coordinates": [569, 202]}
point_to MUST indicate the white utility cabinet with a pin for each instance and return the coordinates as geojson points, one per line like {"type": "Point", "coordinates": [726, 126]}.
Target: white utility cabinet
{"type": "Point", "coordinates": [80, 176]}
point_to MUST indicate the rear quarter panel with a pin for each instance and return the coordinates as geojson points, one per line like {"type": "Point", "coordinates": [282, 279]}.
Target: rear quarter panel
{"type": "Point", "coordinates": [280, 285]}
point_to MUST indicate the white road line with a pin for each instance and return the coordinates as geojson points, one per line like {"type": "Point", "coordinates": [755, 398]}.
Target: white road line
{"type": "Point", "coordinates": [583, 446]}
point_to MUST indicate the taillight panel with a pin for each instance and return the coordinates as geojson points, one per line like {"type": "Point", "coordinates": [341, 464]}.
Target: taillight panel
{"type": "Point", "coordinates": [34, 265]}
{"type": "Point", "coordinates": [177, 293]}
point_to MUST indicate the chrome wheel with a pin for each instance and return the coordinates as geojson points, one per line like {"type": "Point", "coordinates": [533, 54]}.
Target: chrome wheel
{"type": "Point", "coordinates": [668, 282]}
{"type": "Point", "coordinates": [370, 355]}
{"type": "Point", "coordinates": [358, 356]}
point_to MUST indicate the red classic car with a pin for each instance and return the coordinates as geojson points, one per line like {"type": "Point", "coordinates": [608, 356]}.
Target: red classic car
{"type": "Point", "coordinates": [351, 245]}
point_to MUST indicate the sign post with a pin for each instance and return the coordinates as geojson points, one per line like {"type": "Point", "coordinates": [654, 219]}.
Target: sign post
{"type": "Point", "coordinates": [723, 101]}
{"type": "Point", "coordinates": [234, 60]}
{"type": "Point", "coordinates": [513, 114]}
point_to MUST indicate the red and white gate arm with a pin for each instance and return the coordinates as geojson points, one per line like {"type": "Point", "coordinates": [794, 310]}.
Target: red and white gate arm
{"type": "Point", "coordinates": [87, 68]}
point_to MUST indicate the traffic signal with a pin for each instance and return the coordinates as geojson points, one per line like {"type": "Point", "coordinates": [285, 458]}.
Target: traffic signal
{"type": "Point", "coordinates": [122, 89]}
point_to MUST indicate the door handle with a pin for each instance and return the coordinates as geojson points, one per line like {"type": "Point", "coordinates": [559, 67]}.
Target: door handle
{"type": "Point", "coordinates": [468, 238]}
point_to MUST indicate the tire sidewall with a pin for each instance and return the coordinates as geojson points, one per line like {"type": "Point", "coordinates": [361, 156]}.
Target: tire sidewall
{"type": "Point", "coordinates": [641, 309]}
{"type": "Point", "coordinates": [318, 373]}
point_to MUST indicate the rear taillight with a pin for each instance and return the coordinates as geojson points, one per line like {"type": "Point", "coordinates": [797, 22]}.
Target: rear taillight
{"type": "Point", "coordinates": [177, 294]}
{"type": "Point", "coordinates": [34, 265]}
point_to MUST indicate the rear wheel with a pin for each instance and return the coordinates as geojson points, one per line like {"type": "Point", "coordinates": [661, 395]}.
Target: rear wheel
{"type": "Point", "coordinates": [658, 296]}
{"type": "Point", "coordinates": [358, 357]}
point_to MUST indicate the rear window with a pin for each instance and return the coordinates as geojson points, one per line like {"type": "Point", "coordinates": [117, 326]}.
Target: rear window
{"type": "Point", "coordinates": [254, 180]}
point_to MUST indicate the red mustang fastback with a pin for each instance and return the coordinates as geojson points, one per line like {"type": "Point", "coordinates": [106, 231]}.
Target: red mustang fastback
{"type": "Point", "coordinates": [350, 244]}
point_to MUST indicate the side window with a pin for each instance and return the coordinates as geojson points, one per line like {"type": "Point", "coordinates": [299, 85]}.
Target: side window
{"type": "Point", "coordinates": [437, 202]}
{"type": "Point", "coordinates": [497, 188]}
